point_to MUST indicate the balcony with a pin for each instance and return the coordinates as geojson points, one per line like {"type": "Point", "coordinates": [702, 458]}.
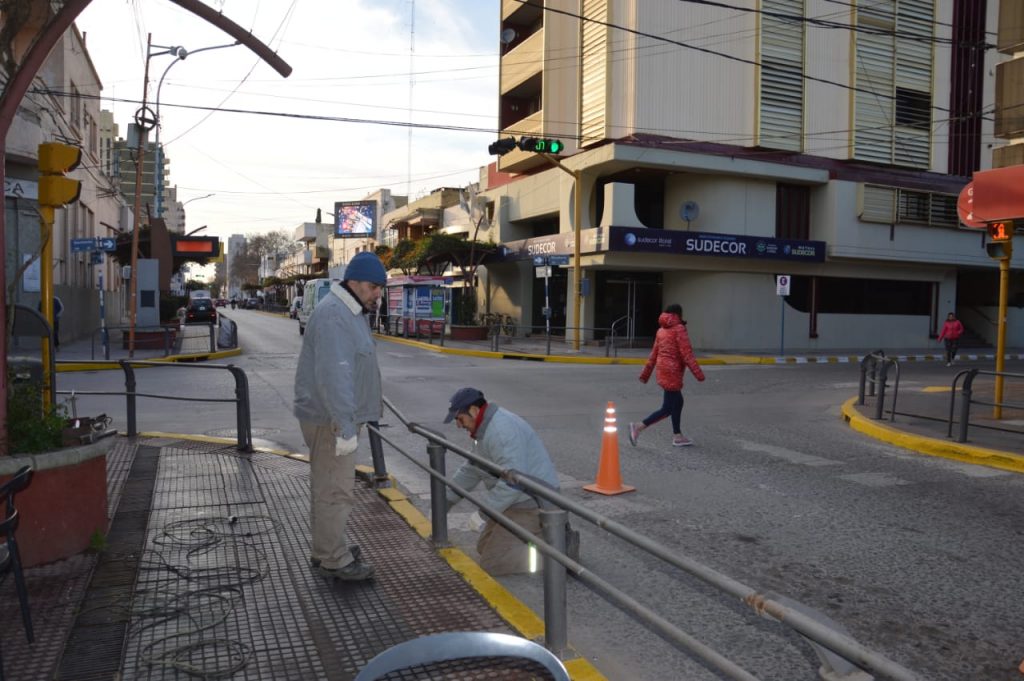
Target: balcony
{"type": "Point", "coordinates": [522, 62]}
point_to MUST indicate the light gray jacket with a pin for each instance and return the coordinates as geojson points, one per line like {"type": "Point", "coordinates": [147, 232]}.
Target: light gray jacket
{"type": "Point", "coordinates": [337, 380]}
{"type": "Point", "coordinates": [508, 441]}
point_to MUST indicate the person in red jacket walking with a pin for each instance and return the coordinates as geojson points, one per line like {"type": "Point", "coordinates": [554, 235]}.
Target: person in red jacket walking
{"type": "Point", "coordinates": [671, 354]}
{"type": "Point", "coordinates": [951, 332]}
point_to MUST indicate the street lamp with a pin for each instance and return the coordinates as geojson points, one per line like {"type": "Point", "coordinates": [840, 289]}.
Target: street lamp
{"type": "Point", "coordinates": [205, 196]}
{"type": "Point", "coordinates": [158, 176]}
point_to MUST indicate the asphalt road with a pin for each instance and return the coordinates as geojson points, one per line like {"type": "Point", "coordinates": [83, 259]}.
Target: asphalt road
{"type": "Point", "coordinates": [917, 557]}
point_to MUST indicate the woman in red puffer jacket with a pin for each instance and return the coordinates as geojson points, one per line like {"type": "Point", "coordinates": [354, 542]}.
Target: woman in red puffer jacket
{"type": "Point", "coordinates": [671, 354]}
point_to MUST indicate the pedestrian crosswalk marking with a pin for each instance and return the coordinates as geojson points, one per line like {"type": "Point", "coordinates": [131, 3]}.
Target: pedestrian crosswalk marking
{"type": "Point", "coordinates": [789, 455]}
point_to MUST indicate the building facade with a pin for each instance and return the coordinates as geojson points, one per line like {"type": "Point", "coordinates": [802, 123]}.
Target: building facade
{"type": "Point", "coordinates": [64, 109]}
{"type": "Point", "coordinates": [716, 149]}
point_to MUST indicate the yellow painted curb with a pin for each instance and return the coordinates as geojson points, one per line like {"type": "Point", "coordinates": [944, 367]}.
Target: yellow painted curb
{"type": "Point", "coordinates": [955, 451]}
{"type": "Point", "coordinates": [106, 365]}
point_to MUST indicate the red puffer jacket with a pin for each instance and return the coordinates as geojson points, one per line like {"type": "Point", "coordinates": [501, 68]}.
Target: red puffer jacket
{"type": "Point", "coordinates": [671, 351]}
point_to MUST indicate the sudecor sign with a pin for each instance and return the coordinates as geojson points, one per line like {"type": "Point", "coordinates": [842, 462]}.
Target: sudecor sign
{"type": "Point", "coordinates": [648, 240]}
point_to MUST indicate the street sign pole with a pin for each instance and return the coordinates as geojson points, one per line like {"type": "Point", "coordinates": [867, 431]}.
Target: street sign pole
{"type": "Point", "coordinates": [782, 283]}
{"type": "Point", "coordinates": [103, 320]}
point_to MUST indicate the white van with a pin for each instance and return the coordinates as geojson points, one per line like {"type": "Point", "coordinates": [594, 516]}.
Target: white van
{"type": "Point", "coordinates": [313, 293]}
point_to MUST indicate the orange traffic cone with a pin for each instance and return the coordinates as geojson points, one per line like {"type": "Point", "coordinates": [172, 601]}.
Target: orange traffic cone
{"type": "Point", "coordinates": [609, 479]}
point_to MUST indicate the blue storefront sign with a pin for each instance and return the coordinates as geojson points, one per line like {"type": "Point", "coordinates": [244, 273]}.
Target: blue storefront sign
{"type": "Point", "coordinates": [648, 240]}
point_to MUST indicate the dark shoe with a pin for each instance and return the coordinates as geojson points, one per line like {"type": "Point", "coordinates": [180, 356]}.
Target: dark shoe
{"type": "Point", "coordinates": [353, 549]}
{"type": "Point", "coordinates": [634, 433]}
{"type": "Point", "coordinates": [356, 571]}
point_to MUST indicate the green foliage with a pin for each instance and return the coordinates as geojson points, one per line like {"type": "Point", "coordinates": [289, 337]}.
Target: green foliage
{"type": "Point", "coordinates": [30, 427]}
{"type": "Point", "coordinates": [97, 542]}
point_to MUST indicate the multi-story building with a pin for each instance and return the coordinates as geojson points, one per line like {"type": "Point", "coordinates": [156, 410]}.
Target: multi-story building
{"type": "Point", "coordinates": [65, 108]}
{"type": "Point", "coordinates": [126, 150]}
{"type": "Point", "coordinates": [715, 148]}
{"type": "Point", "coordinates": [236, 245]}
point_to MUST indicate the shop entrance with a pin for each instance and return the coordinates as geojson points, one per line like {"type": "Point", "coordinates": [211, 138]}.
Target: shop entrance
{"type": "Point", "coordinates": [557, 297]}
{"type": "Point", "coordinates": [634, 295]}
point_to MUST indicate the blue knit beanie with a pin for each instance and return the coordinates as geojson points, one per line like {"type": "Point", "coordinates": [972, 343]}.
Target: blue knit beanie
{"type": "Point", "coordinates": [366, 266]}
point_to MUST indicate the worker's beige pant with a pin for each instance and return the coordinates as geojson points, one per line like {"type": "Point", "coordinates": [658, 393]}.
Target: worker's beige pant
{"type": "Point", "coordinates": [503, 553]}
{"type": "Point", "coordinates": [331, 479]}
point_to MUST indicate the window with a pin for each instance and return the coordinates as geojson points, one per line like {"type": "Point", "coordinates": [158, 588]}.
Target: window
{"type": "Point", "coordinates": [781, 75]}
{"type": "Point", "coordinates": [792, 212]}
{"type": "Point", "coordinates": [836, 295]}
{"type": "Point", "coordinates": [76, 106]}
{"type": "Point", "coordinates": [893, 205]}
{"type": "Point", "coordinates": [893, 82]}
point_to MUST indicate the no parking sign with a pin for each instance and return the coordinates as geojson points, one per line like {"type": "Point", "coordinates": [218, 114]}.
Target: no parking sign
{"type": "Point", "coordinates": [782, 282]}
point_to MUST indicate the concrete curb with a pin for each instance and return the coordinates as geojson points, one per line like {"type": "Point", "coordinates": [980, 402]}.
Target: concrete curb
{"type": "Point", "coordinates": [107, 365]}
{"type": "Point", "coordinates": [511, 609]}
{"type": "Point", "coordinates": [993, 458]}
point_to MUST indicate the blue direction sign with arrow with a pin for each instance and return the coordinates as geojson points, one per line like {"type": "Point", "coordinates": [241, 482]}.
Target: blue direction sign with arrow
{"type": "Point", "coordinates": [82, 245]}
{"type": "Point", "coordinates": [107, 243]}
{"type": "Point", "coordinates": [558, 260]}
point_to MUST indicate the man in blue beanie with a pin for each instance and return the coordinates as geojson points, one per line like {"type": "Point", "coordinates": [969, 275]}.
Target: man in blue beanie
{"type": "Point", "coordinates": [337, 390]}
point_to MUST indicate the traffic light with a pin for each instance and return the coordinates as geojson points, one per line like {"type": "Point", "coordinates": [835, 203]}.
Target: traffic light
{"type": "Point", "coordinates": [502, 146]}
{"type": "Point", "coordinates": [55, 159]}
{"type": "Point", "coordinates": [1000, 244]}
{"type": "Point", "coordinates": [541, 145]}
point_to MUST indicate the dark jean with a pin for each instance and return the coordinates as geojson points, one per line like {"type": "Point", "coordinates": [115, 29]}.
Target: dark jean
{"type": "Point", "coordinates": [671, 405]}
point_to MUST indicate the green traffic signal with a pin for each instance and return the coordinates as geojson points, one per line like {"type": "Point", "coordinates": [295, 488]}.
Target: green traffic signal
{"type": "Point", "coordinates": [540, 145]}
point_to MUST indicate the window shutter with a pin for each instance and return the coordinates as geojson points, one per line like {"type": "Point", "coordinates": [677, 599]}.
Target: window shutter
{"type": "Point", "coordinates": [594, 72]}
{"type": "Point", "coordinates": [782, 83]}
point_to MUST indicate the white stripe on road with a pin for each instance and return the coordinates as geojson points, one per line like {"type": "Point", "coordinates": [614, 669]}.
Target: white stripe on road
{"type": "Point", "coordinates": [875, 479]}
{"type": "Point", "coordinates": [789, 455]}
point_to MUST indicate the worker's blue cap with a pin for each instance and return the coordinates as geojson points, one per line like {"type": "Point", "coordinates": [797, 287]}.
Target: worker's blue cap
{"type": "Point", "coordinates": [461, 401]}
{"type": "Point", "coordinates": [366, 266]}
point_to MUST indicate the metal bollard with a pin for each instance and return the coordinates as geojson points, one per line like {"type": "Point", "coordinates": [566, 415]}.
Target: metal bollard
{"type": "Point", "coordinates": [882, 373]}
{"type": "Point", "coordinates": [438, 495]}
{"type": "Point", "coordinates": [553, 524]}
{"type": "Point", "coordinates": [213, 339]}
{"type": "Point", "coordinates": [380, 469]}
{"type": "Point", "coordinates": [965, 404]}
{"type": "Point", "coordinates": [129, 394]}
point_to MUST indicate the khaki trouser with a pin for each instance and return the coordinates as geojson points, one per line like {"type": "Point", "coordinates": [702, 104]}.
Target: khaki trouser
{"type": "Point", "coordinates": [331, 479]}
{"type": "Point", "coordinates": [503, 553]}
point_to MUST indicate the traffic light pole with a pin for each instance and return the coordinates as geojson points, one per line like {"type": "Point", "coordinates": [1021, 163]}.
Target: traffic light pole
{"type": "Point", "coordinates": [46, 214]}
{"type": "Point", "coordinates": [577, 228]}
{"type": "Point", "coordinates": [133, 281]}
{"type": "Point", "coordinates": [1004, 289]}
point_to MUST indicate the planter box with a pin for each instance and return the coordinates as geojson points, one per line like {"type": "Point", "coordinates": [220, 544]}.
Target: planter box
{"type": "Point", "coordinates": [467, 333]}
{"type": "Point", "coordinates": [65, 504]}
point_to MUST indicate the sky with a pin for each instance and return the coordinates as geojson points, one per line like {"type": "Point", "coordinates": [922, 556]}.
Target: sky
{"type": "Point", "coordinates": [350, 59]}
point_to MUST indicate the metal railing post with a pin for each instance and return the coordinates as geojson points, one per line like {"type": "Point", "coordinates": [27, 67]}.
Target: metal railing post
{"type": "Point", "coordinates": [380, 468]}
{"type": "Point", "coordinates": [438, 495]}
{"type": "Point", "coordinates": [882, 373]}
{"type": "Point", "coordinates": [213, 340]}
{"type": "Point", "coordinates": [129, 394]}
{"type": "Point", "coordinates": [863, 379]}
{"type": "Point", "coordinates": [243, 418]}
{"type": "Point", "coordinates": [965, 404]}
{"type": "Point", "coordinates": [553, 525]}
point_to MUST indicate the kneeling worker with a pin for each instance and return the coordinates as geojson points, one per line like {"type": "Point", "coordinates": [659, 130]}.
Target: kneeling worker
{"type": "Point", "coordinates": [509, 442]}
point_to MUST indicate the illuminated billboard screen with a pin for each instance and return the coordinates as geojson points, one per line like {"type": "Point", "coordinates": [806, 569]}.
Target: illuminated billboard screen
{"type": "Point", "coordinates": [355, 219]}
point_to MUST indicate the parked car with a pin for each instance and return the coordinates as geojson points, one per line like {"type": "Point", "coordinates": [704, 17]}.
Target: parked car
{"type": "Point", "coordinates": [252, 303]}
{"type": "Point", "coordinates": [313, 293]}
{"type": "Point", "coordinates": [201, 311]}
{"type": "Point", "coordinates": [220, 302]}
{"type": "Point", "coordinates": [293, 309]}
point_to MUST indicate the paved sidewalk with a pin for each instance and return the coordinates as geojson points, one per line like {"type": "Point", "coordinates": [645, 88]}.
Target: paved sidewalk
{"type": "Point", "coordinates": [206, 575]}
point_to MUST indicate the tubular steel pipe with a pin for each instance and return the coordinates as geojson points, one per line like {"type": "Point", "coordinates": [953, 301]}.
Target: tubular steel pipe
{"type": "Point", "coordinates": [556, 638]}
{"type": "Point", "coordinates": [129, 388]}
{"type": "Point", "coordinates": [840, 643]}
{"type": "Point", "coordinates": [438, 495]}
{"type": "Point", "coordinates": [380, 469]}
{"type": "Point", "coordinates": [965, 404]}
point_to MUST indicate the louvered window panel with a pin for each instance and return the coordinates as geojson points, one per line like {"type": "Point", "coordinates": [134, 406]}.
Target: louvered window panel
{"type": "Point", "coordinates": [878, 204]}
{"type": "Point", "coordinates": [942, 211]}
{"type": "Point", "coordinates": [594, 72]}
{"type": "Point", "coordinates": [894, 74]}
{"type": "Point", "coordinates": [782, 83]}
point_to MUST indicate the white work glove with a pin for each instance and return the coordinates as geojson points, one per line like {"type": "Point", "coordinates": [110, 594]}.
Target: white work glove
{"type": "Point", "coordinates": [476, 521]}
{"type": "Point", "coordinates": [346, 446]}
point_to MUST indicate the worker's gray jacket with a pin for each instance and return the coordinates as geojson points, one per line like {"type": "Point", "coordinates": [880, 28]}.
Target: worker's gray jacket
{"type": "Point", "coordinates": [508, 441]}
{"type": "Point", "coordinates": [337, 380]}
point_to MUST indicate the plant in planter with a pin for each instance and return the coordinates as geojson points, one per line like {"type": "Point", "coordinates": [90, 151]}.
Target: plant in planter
{"type": "Point", "coordinates": [31, 426]}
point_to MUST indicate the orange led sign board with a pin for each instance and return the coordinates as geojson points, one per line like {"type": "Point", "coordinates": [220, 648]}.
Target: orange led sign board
{"type": "Point", "coordinates": [1000, 231]}
{"type": "Point", "coordinates": [208, 246]}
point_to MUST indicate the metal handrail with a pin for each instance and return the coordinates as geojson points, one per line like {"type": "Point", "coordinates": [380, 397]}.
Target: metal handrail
{"type": "Point", "coordinates": [874, 372]}
{"type": "Point", "coordinates": [241, 400]}
{"type": "Point", "coordinates": [166, 328]}
{"type": "Point", "coordinates": [764, 604]}
{"type": "Point", "coordinates": [612, 335]}
{"type": "Point", "coordinates": [967, 392]}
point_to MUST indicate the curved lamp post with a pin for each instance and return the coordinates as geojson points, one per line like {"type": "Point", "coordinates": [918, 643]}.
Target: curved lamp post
{"type": "Point", "coordinates": [180, 53]}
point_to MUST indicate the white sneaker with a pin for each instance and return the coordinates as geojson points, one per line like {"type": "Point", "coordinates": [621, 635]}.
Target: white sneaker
{"type": "Point", "coordinates": [681, 441]}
